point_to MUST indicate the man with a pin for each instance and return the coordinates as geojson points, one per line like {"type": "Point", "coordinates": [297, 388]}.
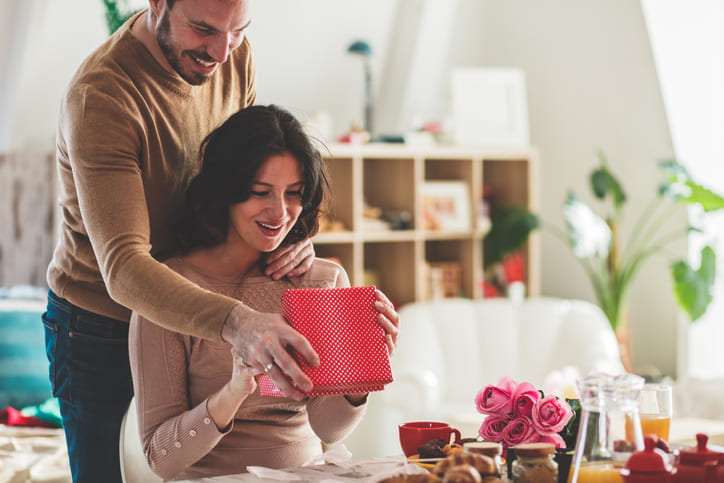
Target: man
{"type": "Point", "coordinates": [129, 132]}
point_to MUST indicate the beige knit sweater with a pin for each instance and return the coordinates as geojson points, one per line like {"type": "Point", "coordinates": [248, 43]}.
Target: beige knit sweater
{"type": "Point", "coordinates": [127, 145]}
{"type": "Point", "coordinates": [174, 375]}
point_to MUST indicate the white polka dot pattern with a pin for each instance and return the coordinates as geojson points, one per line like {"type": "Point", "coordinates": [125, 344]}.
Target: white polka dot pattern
{"type": "Point", "coordinates": [341, 324]}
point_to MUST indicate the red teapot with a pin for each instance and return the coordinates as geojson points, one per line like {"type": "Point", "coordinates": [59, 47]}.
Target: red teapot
{"type": "Point", "coordinates": [699, 465]}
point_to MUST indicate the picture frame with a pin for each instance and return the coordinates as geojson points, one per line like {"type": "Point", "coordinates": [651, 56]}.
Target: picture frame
{"type": "Point", "coordinates": [490, 107]}
{"type": "Point", "coordinates": [446, 206]}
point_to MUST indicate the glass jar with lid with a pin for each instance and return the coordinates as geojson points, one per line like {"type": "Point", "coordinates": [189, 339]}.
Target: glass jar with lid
{"type": "Point", "coordinates": [534, 463]}
{"type": "Point", "coordinates": [486, 448]}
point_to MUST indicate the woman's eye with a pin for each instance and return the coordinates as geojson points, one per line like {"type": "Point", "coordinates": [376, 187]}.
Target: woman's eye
{"type": "Point", "coordinates": [259, 193]}
{"type": "Point", "coordinates": [297, 193]}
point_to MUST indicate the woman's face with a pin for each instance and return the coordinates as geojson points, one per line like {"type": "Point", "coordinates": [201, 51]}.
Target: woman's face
{"type": "Point", "coordinates": [264, 220]}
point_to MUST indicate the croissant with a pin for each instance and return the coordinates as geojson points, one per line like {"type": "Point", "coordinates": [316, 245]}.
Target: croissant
{"type": "Point", "coordinates": [484, 464]}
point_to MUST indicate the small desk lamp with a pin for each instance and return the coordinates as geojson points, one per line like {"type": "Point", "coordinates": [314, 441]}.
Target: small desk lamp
{"type": "Point", "coordinates": [363, 49]}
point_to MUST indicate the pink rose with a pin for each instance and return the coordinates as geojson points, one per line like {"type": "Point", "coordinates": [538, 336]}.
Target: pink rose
{"type": "Point", "coordinates": [550, 414]}
{"type": "Point", "coordinates": [496, 400]}
{"type": "Point", "coordinates": [492, 428]}
{"type": "Point", "coordinates": [554, 438]}
{"type": "Point", "coordinates": [519, 431]}
{"type": "Point", "coordinates": [525, 396]}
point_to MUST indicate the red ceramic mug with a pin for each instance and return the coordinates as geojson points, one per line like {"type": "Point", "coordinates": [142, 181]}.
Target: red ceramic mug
{"type": "Point", "coordinates": [415, 434]}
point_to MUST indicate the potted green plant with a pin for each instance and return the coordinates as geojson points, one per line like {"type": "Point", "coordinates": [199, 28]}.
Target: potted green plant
{"type": "Point", "coordinates": [510, 227]}
{"type": "Point", "coordinates": [611, 264]}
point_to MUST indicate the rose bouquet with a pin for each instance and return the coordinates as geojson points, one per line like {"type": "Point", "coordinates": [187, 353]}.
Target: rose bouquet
{"type": "Point", "coordinates": [519, 413]}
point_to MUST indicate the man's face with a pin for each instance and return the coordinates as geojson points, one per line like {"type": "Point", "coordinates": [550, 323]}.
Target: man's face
{"type": "Point", "coordinates": [198, 35]}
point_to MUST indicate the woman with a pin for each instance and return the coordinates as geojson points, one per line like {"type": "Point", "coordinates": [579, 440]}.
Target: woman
{"type": "Point", "coordinates": [261, 185]}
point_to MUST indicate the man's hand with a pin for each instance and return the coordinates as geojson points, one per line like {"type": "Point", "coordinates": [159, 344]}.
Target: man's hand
{"type": "Point", "coordinates": [290, 261]}
{"type": "Point", "coordinates": [389, 319]}
{"type": "Point", "coordinates": [262, 340]}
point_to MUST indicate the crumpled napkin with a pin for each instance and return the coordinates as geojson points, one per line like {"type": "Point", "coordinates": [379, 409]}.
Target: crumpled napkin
{"type": "Point", "coordinates": [339, 455]}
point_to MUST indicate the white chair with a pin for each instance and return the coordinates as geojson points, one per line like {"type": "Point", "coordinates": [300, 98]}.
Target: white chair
{"type": "Point", "coordinates": [134, 467]}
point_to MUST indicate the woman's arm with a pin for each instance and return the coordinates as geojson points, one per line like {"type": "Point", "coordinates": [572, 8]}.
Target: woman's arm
{"type": "Point", "coordinates": [174, 435]}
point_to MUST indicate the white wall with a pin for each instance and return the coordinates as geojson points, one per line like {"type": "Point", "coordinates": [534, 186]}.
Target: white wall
{"type": "Point", "coordinates": [58, 38]}
{"type": "Point", "coordinates": [591, 83]}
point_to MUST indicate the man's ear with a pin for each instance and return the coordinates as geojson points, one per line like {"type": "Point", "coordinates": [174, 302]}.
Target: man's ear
{"type": "Point", "coordinates": [156, 5]}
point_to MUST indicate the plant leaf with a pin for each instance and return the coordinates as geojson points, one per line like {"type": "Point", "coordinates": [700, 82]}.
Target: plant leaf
{"type": "Point", "coordinates": [509, 230]}
{"type": "Point", "coordinates": [603, 183]}
{"type": "Point", "coordinates": [588, 233]}
{"type": "Point", "coordinates": [693, 287]}
{"type": "Point", "coordinates": [673, 169]}
{"type": "Point", "coordinates": [679, 186]}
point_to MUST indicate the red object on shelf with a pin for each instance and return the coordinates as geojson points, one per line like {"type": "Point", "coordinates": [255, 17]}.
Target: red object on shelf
{"type": "Point", "coordinates": [490, 290]}
{"type": "Point", "coordinates": [514, 267]}
{"type": "Point", "coordinates": [341, 325]}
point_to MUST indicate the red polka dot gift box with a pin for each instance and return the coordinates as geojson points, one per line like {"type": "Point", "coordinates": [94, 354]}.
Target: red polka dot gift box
{"type": "Point", "coordinates": [341, 325]}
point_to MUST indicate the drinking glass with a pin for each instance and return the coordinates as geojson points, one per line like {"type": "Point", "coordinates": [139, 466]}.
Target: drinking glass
{"type": "Point", "coordinates": [656, 409]}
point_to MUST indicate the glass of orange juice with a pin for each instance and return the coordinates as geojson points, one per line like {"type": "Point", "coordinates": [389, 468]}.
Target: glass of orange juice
{"type": "Point", "coordinates": [656, 409]}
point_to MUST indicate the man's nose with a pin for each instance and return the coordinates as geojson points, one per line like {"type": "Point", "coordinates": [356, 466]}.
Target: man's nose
{"type": "Point", "coordinates": [220, 47]}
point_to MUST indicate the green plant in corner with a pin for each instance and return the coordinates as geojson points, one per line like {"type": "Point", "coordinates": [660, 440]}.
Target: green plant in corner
{"type": "Point", "coordinates": [115, 16]}
{"type": "Point", "coordinates": [611, 266]}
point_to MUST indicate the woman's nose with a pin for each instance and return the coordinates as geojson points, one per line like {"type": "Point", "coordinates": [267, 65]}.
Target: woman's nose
{"type": "Point", "coordinates": [277, 206]}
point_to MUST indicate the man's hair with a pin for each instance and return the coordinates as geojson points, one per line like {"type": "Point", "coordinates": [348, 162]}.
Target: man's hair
{"type": "Point", "coordinates": [231, 157]}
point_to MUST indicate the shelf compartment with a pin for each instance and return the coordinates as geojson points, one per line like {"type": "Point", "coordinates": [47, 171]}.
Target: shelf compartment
{"type": "Point", "coordinates": [389, 184]}
{"type": "Point", "coordinates": [340, 206]}
{"type": "Point", "coordinates": [395, 269]}
{"type": "Point", "coordinates": [464, 252]}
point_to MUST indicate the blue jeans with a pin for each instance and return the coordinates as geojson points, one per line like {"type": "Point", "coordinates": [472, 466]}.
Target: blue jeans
{"type": "Point", "coordinates": [91, 377]}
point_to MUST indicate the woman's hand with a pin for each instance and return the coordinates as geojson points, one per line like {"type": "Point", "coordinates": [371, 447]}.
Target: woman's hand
{"type": "Point", "coordinates": [388, 319]}
{"type": "Point", "coordinates": [242, 382]}
{"type": "Point", "coordinates": [224, 404]}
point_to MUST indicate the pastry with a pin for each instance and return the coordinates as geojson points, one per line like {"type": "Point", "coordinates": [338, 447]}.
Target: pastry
{"type": "Point", "coordinates": [483, 464]}
{"type": "Point", "coordinates": [462, 474]}
{"type": "Point", "coordinates": [411, 479]}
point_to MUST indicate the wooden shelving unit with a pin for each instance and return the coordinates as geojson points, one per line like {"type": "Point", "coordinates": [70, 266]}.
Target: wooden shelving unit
{"type": "Point", "coordinates": [389, 176]}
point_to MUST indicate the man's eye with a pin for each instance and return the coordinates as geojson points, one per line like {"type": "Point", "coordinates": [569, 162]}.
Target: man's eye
{"type": "Point", "coordinates": [201, 30]}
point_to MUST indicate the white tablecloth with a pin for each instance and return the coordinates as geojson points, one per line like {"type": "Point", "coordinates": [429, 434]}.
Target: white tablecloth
{"type": "Point", "coordinates": [358, 471]}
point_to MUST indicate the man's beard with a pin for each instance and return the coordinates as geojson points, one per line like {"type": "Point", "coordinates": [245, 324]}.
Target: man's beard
{"type": "Point", "coordinates": [163, 37]}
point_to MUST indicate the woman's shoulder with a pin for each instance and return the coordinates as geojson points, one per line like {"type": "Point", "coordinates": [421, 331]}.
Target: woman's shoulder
{"type": "Point", "coordinates": [323, 273]}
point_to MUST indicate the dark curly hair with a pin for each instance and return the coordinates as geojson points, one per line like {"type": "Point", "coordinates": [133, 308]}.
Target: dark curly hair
{"type": "Point", "coordinates": [231, 157]}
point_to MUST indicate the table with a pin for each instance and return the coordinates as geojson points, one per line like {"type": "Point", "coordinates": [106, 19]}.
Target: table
{"type": "Point", "coordinates": [371, 470]}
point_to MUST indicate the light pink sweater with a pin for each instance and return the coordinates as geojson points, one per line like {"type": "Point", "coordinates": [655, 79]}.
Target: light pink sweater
{"type": "Point", "coordinates": [174, 375]}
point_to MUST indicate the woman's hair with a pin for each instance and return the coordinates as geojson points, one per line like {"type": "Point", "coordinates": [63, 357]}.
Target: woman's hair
{"type": "Point", "coordinates": [231, 157]}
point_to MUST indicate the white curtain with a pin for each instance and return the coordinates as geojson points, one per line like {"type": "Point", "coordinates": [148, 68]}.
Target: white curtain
{"type": "Point", "coordinates": [687, 40]}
